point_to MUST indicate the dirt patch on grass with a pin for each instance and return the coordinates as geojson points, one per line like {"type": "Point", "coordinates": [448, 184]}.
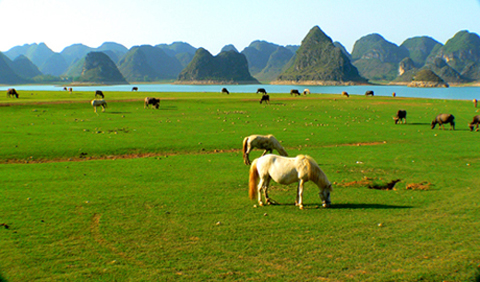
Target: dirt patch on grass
{"type": "Point", "coordinates": [419, 186]}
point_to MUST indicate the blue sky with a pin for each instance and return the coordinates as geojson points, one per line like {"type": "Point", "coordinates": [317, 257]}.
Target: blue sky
{"type": "Point", "coordinates": [213, 24]}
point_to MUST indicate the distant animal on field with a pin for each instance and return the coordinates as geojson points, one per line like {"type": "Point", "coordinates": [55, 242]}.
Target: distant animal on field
{"type": "Point", "coordinates": [394, 94]}
{"type": "Point", "coordinates": [306, 91]}
{"type": "Point", "coordinates": [475, 121]}
{"type": "Point", "coordinates": [285, 171]}
{"type": "Point", "coordinates": [294, 92]}
{"type": "Point", "coordinates": [442, 119]}
{"type": "Point", "coordinates": [265, 98]}
{"type": "Point", "coordinates": [344, 93]}
{"type": "Point", "coordinates": [99, 93]}
{"type": "Point", "coordinates": [70, 89]}
{"type": "Point", "coordinates": [99, 103]}
{"type": "Point", "coordinates": [401, 116]}
{"type": "Point", "coordinates": [475, 102]}
{"type": "Point", "coordinates": [65, 88]}
{"type": "Point", "coordinates": [224, 90]}
{"type": "Point", "coordinates": [369, 93]}
{"type": "Point", "coordinates": [11, 92]}
{"type": "Point", "coordinates": [134, 88]}
{"type": "Point", "coordinates": [263, 142]}
{"type": "Point", "coordinates": [261, 90]}
{"type": "Point", "coordinates": [154, 102]}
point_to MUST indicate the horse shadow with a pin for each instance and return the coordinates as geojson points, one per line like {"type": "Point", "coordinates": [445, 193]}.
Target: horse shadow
{"type": "Point", "coordinates": [368, 206]}
{"type": "Point", "coordinates": [115, 113]}
{"type": "Point", "coordinates": [2, 279]}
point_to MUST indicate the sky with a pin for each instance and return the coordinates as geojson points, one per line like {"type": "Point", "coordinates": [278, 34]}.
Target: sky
{"type": "Point", "coordinates": [212, 24]}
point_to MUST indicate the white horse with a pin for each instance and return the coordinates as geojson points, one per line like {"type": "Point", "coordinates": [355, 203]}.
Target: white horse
{"type": "Point", "coordinates": [266, 142]}
{"type": "Point", "coordinates": [286, 171]}
{"type": "Point", "coordinates": [99, 103]}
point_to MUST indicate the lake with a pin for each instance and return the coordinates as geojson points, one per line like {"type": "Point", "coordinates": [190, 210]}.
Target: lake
{"type": "Point", "coordinates": [455, 93]}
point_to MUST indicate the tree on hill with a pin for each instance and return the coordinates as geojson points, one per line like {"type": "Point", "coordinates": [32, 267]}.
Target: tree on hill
{"type": "Point", "coordinates": [319, 61]}
{"type": "Point", "coordinates": [99, 68]}
{"type": "Point", "coordinates": [227, 67]}
{"type": "Point", "coordinates": [148, 63]}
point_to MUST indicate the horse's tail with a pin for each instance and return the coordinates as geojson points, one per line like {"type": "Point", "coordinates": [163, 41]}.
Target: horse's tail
{"type": "Point", "coordinates": [253, 180]}
{"type": "Point", "coordinates": [245, 142]}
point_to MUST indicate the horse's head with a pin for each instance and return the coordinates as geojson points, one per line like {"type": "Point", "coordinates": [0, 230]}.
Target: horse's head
{"type": "Point", "coordinates": [325, 196]}
{"type": "Point", "coordinates": [433, 124]}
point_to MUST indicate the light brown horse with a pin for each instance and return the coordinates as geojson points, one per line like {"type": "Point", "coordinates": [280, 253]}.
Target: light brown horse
{"type": "Point", "coordinates": [265, 142]}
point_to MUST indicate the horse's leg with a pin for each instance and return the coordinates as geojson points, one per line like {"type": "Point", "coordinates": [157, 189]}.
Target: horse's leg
{"type": "Point", "coordinates": [247, 155]}
{"type": "Point", "coordinates": [260, 189]}
{"type": "Point", "coordinates": [265, 191]}
{"type": "Point", "coordinates": [299, 201]}
{"type": "Point", "coordinates": [325, 197]}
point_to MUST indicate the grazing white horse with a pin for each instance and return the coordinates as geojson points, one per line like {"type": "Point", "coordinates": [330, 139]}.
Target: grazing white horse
{"type": "Point", "coordinates": [285, 171]}
{"type": "Point", "coordinates": [266, 142]}
{"type": "Point", "coordinates": [99, 103]}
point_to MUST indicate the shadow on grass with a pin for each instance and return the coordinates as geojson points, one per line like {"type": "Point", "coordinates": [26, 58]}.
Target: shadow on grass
{"type": "Point", "coordinates": [117, 113]}
{"type": "Point", "coordinates": [368, 206]}
{"type": "Point", "coordinates": [2, 279]}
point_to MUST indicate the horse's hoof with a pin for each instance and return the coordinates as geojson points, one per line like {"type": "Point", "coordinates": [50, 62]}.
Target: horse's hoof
{"type": "Point", "coordinates": [301, 207]}
{"type": "Point", "coordinates": [326, 205]}
{"type": "Point", "coordinates": [260, 204]}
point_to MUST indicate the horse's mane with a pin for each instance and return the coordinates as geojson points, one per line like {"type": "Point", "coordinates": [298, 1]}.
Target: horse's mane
{"type": "Point", "coordinates": [314, 172]}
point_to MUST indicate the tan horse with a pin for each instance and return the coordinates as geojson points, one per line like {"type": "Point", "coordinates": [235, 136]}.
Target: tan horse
{"type": "Point", "coordinates": [286, 171]}
{"type": "Point", "coordinates": [99, 103]}
{"type": "Point", "coordinates": [265, 142]}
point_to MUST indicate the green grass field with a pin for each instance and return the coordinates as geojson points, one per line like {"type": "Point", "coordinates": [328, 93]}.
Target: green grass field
{"type": "Point", "coordinates": [134, 194]}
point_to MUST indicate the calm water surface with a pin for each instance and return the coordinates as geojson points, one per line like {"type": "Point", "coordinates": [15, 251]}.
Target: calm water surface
{"type": "Point", "coordinates": [457, 93]}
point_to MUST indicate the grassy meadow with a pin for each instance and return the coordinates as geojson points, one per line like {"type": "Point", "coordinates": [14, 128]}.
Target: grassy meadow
{"type": "Point", "coordinates": [134, 194]}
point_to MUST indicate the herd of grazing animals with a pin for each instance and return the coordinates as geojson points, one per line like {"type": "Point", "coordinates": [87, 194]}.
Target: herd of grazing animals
{"type": "Point", "coordinates": [282, 169]}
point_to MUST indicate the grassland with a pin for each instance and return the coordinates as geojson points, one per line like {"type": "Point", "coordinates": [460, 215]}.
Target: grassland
{"type": "Point", "coordinates": [136, 194]}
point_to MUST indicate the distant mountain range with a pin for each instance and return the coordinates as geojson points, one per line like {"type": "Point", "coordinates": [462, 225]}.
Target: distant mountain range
{"type": "Point", "coordinates": [318, 60]}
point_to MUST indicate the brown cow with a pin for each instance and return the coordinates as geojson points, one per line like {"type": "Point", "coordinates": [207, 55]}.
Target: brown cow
{"type": "Point", "coordinates": [294, 92]}
{"type": "Point", "coordinates": [401, 116]}
{"type": "Point", "coordinates": [265, 98]}
{"type": "Point", "coordinates": [11, 92]}
{"type": "Point", "coordinates": [151, 101]}
{"type": "Point", "coordinates": [261, 90]}
{"type": "Point", "coordinates": [476, 121]}
{"type": "Point", "coordinates": [99, 93]}
{"type": "Point", "coordinates": [442, 119]}
{"type": "Point", "coordinates": [344, 93]}
{"type": "Point", "coordinates": [369, 93]}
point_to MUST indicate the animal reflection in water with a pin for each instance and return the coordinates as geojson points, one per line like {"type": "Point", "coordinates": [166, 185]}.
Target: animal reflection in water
{"type": "Point", "coordinates": [284, 170]}
{"type": "Point", "coordinates": [265, 142]}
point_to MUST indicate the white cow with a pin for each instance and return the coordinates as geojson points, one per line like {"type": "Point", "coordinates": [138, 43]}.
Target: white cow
{"type": "Point", "coordinates": [99, 102]}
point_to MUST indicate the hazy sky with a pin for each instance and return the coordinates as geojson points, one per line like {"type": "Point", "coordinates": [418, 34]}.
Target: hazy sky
{"type": "Point", "coordinates": [213, 24]}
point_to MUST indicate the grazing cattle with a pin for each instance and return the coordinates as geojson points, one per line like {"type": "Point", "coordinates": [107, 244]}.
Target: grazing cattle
{"type": "Point", "coordinates": [306, 91]}
{"type": "Point", "coordinates": [476, 121]}
{"type": "Point", "coordinates": [394, 94]}
{"type": "Point", "coordinates": [99, 94]}
{"type": "Point", "coordinates": [224, 90]}
{"type": "Point", "coordinates": [265, 98]}
{"type": "Point", "coordinates": [401, 116]}
{"type": "Point", "coordinates": [344, 93]}
{"type": "Point", "coordinates": [70, 90]}
{"type": "Point", "coordinates": [11, 92]}
{"type": "Point", "coordinates": [99, 103]}
{"type": "Point", "coordinates": [151, 101]}
{"type": "Point", "coordinates": [135, 88]}
{"type": "Point", "coordinates": [65, 88]}
{"type": "Point", "coordinates": [369, 93]}
{"type": "Point", "coordinates": [475, 102]}
{"type": "Point", "coordinates": [261, 90]}
{"type": "Point", "coordinates": [294, 92]}
{"type": "Point", "coordinates": [442, 119]}
{"type": "Point", "coordinates": [265, 142]}
{"type": "Point", "coordinates": [285, 171]}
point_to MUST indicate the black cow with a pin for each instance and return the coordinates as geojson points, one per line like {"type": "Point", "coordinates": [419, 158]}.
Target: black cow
{"type": "Point", "coordinates": [476, 121]}
{"type": "Point", "coordinates": [151, 101]}
{"type": "Point", "coordinates": [444, 118]}
{"type": "Point", "coordinates": [294, 92]}
{"type": "Point", "coordinates": [369, 93]}
{"type": "Point", "coordinates": [224, 90]}
{"type": "Point", "coordinates": [265, 98]}
{"type": "Point", "coordinates": [261, 90]}
{"type": "Point", "coordinates": [99, 93]}
{"type": "Point", "coordinates": [401, 116]}
{"type": "Point", "coordinates": [134, 88]}
{"type": "Point", "coordinates": [11, 92]}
